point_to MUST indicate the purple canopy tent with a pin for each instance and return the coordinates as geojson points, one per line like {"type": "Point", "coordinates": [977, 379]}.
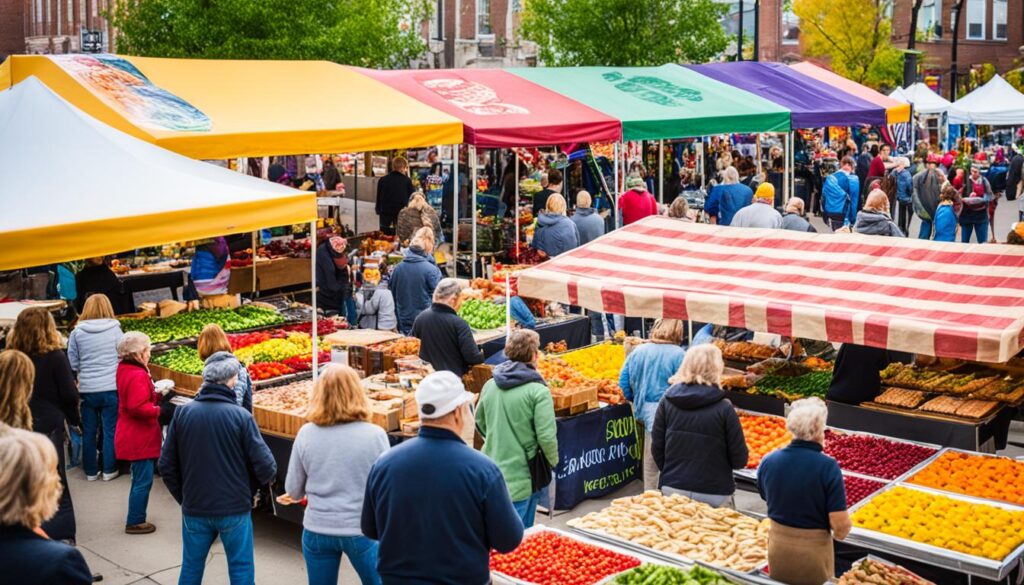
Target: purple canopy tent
{"type": "Point", "coordinates": [813, 104]}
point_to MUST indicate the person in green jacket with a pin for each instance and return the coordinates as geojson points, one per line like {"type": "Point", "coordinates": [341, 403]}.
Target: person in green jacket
{"type": "Point", "coordinates": [516, 418]}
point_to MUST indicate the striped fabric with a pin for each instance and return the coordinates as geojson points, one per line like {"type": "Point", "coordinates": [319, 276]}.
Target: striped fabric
{"type": "Point", "coordinates": [944, 299]}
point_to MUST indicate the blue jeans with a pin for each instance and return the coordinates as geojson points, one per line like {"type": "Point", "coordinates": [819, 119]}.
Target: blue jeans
{"type": "Point", "coordinates": [138, 497]}
{"type": "Point", "coordinates": [527, 509]}
{"type": "Point", "coordinates": [323, 554]}
{"type": "Point", "coordinates": [99, 409]}
{"type": "Point", "coordinates": [980, 229]}
{"type": "Point", "coordinates": [197, 536]}
{"type": "Point", "coordinates": [926, 230]}
{"type": "Point", "coordinates": [596, 324]}
{"type": "Point", "coordinates": [74, 448]}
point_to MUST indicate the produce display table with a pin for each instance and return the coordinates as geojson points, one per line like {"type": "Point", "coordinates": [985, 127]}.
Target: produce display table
{"type": "Point", "coordinates": [270, 274]}
{"type": "Point", "coordinates": [972, 436]}
{"type": "Point", "coordinates": [575, 331]}
{"type": "Point", "coordinates": [360, 337]}
{"type": "Point", "coordinates": [760, 403]}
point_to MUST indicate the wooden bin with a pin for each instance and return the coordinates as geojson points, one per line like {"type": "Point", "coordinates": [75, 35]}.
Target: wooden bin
{"type": "Point", "coordinates": [276, 422]}
{"type": "Point", "coordinates": [184, 384]}
{"type": "Point", "coordinates": [581, 400]}
{"type": "Point", "coordinates": [477, 377]}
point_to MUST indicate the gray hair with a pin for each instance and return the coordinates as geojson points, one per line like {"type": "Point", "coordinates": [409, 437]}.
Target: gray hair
{"type": "Point", "coordinates": [730, 176]}
{"type": "Point", "coordinates": [133, 345]}
{"type": "Point", "coordinates": [446, 289]}
{"type": "Point", "coordinates": [806, 419]}
{"type": "Point", "coordinates": [703, 364]}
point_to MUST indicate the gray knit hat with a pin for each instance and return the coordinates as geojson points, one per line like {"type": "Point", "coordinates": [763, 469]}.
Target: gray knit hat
{"type": "Point", "coordinates": [221, 369]}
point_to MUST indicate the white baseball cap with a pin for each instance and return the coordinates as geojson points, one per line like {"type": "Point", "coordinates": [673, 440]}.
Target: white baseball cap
{"type": "Point", "coordinates": [441, 393]}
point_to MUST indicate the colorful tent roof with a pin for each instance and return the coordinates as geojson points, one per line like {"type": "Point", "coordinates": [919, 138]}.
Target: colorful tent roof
{"type": "Point", "coordinates": [205, 108]}
{"type": "Point", "coordinates": [896, 111]}
{"type": "Point", "coordinates": [922, 98]}
{"type": "Point", "coordinates": [814, 103]}
{"type": "Point", "coordinates": [113, 192]}
{"type": "Point", "coordinates": [499, 109]}
{"type": "Point", "coordinates": [662, 102]}
{"type": "Point", "coordinates": [996, 103]}
{"type": "Point", "coordinates": [912, 295]}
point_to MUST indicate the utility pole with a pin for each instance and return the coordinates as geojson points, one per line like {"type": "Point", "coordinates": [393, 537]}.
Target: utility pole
{"type": "Point", "coordinates": [957, 9]}
{"type": "Point", "coordinates": [910, 58]}
{"type": "Point", "coordinates": [757, 30]}
{"type": "Point", "coordinates": [739, 38]}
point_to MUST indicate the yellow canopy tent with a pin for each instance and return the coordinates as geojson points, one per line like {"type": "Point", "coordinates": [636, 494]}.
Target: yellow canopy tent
{"type": "Point", "coordinates": [72, 187]}
{"type": "Point", "coordinates": [215, 109]}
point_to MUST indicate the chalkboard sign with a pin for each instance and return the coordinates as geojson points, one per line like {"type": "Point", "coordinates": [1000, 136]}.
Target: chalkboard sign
{"type": "Point", "coordinates": [598, 452]}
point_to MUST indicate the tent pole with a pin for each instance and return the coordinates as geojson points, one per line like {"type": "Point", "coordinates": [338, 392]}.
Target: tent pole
{"type": "Point", "coordinates": [785, 177]}
{"type": "Point", "coordinates": [253, 258]}
{"type": "Point", "coordinates": [316, 345]}
{"type": "Point", "coordinates": [661, 172]}
{"type": "Point", "coordinates": [355, 198]}
{"type": "Point", "coordinates": [760, 166]}
{"type": "Point", "coordinates": [515, 203]}
{"type": "Point", "coordinates": [455, 213]}
{"type": "Point", "coordinates": [508, 305]}
{"type": "Point", "coordinates": [792, 167]}
{"type": "Point", "coordinates": [472, 199]}
{"type": "Point", "coordinates": [615, 189]}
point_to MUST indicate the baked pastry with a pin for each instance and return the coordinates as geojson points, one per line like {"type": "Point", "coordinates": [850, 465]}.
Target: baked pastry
{"type": "Point", "coordinates": [901, 397]}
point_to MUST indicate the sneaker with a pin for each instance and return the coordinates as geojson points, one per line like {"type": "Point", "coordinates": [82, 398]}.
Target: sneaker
{"type": "Point", "coordinates": [109, 476]}
{"type": "Point", "coordinates": [144, 528]}
{"type": "Point", "coordinates": [92, 477]}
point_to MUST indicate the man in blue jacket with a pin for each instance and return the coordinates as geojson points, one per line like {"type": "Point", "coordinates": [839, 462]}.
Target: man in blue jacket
{"type": "Point", "coordinates": [904, 192]}
{"type": "Point", "coordinates": [839, 196]}
{"type": "Point", "coordinates": [437, 506]}
{"type": "Point", "coordinates": [414, 279]}
{"type": "Point", "coordinates": [212, 452]}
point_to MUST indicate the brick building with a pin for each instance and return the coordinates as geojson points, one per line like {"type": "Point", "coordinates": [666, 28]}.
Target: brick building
{"type": "Point", "coordinates": [60, 26]}
{"type": "Point", "coordinates": [477, 33]}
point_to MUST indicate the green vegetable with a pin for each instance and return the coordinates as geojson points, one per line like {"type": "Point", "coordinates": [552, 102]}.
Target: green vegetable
{"type": "Point", "coordinates": [810, 384]}
{"type": "Point", "coordinates": [189, 324]}
{"type": "Point", "coordinates": [482, 314]}
{"type": "Point", "coordinates": [649, 574]}
{"type": "Point", "coordinates": [181, 359]}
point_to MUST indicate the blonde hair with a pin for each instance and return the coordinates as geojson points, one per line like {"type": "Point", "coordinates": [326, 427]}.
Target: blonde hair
{"type": "Point", "coordinates": [806, 419]}
{"type": "Point", "coordinates": [555, 204]}
{"type": "Point", "coordinates": [399, 163]}
{"type": "Point", "coordinates": [680, 208]}
{"type": "Point", "coordinates": [338, 397]}
{"type": "Point", "coordinates": [418, 201]}
{"type": "Point", "coordinates": [583, 199]}
{"type": "Point", "coordinates": [35, 332]}
{"type": "Point", "coordinates": [667, 331]}
{"type": "Point", "coordinates": [421, 236]}
{"type": "Point", "coordinates": [97, 306]}
{"type": "Point", "coordinates": [522, 345]}
{"type": "Point", "coordinates": [211, 340]}
{"type": "Point", "coordinates": [29, 484]}
{"type": "Point", "coordinates": [133, 345]}
{"type": "Point", "coordinates": [877, 200]}
{"type": "Point", "coordinates": [703, 364]}
{"type": "Point", "coordinates": [17, 374]}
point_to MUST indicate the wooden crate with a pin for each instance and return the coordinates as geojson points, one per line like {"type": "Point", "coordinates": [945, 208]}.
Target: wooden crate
{"type": "Point", "coordinates": [389, 420]}
{"type": "Point", "coordinates": [580, 400]}
{"type": "Point", "coordinates": [184, 384]}
{"type": "Point", "coordinates": [477, 378]}
{"type": "Point", "coordinates": [279, 423]}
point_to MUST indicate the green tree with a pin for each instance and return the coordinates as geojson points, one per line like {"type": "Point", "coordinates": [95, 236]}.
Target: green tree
{"type": "Point", "coordinates": [624, 32]}
{"type": "Point", "coordinates": [855, 36]}
{"type": "Point", "coordinates": [370, 33]}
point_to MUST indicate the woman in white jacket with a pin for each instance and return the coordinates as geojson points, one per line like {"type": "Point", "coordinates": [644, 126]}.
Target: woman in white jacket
{"type": "Point", "coordinates": [92, 351]}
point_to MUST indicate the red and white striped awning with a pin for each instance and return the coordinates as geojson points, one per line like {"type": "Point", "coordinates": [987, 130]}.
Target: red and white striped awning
{"type": "Point", "coordinates": [944, 299]}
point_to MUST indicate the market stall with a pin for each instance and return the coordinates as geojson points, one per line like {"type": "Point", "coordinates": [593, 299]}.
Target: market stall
{"type": "Point", "coordinates": [996, 103]}
{"type": "Point", "coordinates": [924, 101]}
{"type": "Point", "coordinates": [896, 112]}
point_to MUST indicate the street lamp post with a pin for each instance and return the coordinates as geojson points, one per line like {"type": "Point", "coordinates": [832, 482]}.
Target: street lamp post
{"type": "Point", "coordinates": [956, 37]}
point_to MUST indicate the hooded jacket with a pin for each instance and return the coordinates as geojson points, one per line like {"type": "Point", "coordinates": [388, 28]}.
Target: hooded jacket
{"type": "Point", "coordinates": [697, 440]}
{"type": "Point", "coordinates": [945, 223]}
{"type": "Point", "coordinates": [92, 351]}
{"type": "Point", "coordinates": [725, 200]}
{"type": "Point", "coordinates": [332, 281]}
{"type": "Point", "coordinates": [516, 417]}
{"type": "Point", "coordinates": [589, 224]}
{"type": "Point", "coordinates": [840, 193]}
{"type": "Point", "coordinates": [793, 221]}
{"type": "Point", "coordinates": [876, 223]}
{"type": "Point", "coordinates": [213, 454]}
{"type": "Point", "coordinates": [412, 284]}
{"type": "Point", "coordinates": [926, 188]}
{"type": "Point", "coordinates": [243, 387]}
{"type": "Point", "coordinates": [556, 234]}
{"type": "Point", "coordinates": [376, 306]}
{"type": "Point", "coordinates": [636, 205]}
{"type": "Point", "coordinates": [137, 435]}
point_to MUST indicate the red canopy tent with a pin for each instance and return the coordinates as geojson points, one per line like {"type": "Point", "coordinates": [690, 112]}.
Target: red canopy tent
{"type": "Point", "coordinates": [499, 109]}
{"type": "Point", "coordinates": [919, 296]}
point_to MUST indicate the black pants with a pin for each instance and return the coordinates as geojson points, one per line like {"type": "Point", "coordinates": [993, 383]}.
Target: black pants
{"type": "Point", "coordinates": [62, 525]}
{"type": "Point", "coordinates": [834, 220]}
{"type": "Point", "coordinates": [387, 223]}
{"type": "Point", "coordinates": [906, 211]}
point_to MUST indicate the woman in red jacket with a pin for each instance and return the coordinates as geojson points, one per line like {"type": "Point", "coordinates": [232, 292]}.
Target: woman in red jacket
{"type": "Point", "coordinates": [137, 436]}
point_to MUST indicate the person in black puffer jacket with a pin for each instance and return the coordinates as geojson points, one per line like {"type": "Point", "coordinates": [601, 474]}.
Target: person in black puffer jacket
{"type": "Point", "coordinates": [697, 439]}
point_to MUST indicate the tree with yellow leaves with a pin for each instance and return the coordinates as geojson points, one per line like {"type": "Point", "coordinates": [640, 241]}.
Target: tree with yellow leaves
{"type": "Point", "coordinates": [855, 36]}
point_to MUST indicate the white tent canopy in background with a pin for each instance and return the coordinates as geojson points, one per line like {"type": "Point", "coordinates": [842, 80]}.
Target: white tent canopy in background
{"type": "Point", "coordinates": [996, 103]}
{"type": "Point", "coordinates": [72, 187]}
{"type": "Point", "coordinates": [925, 101]}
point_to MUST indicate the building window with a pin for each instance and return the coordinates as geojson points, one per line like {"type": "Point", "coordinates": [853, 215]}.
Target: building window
{"type": "Point", "coordinates": [999, 20]}
{"type": "Point", "coordinates": [976, 19]}
{"type": "Point", "coordinates": [929, 19]}
{"type": "Point", "coordinates": [483, 17]}
{"type": "Point", "coordinates": [790, 28]}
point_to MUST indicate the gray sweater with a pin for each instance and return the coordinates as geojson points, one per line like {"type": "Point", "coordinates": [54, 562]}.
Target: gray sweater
{"type": "Point", "coordinates": [92, 352]}
{"type": "Point", "coordinates": [330, 465]}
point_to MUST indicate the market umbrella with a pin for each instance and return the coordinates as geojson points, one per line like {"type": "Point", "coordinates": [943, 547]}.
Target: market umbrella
{"type": "Point", "coordinates": [73, 187]}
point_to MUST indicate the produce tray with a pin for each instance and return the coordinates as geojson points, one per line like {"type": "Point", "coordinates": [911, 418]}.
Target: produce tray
{"type": "Point", "coordinates": [930, 554]}
{"type": "Point", "coordinates": [184, 384]}
{"type": "Point", "coordinates": [916, 412]}
{"type": "Point", "coordinates": [905, 478]}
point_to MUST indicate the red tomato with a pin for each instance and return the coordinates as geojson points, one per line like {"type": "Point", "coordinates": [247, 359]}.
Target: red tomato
{"type": "Point", "coordinates": [547, 558]}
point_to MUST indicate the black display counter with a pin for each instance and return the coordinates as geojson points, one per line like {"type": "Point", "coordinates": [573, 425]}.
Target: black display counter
{"type": "Point", "coordinates": [757, 403]}
{"type": "Point", "coordinates": [960, 435]}
{"type": "Point", "coordinates": [575, 331]}
{"type": "Point", "coordinates": [132, 284]}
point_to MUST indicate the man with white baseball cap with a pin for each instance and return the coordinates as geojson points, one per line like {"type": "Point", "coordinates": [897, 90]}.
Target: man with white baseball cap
{"type": "Point", "coordinates": [436, 505]}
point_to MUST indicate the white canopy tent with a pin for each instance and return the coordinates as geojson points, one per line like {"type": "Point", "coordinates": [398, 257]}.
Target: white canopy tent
{"type": "Point", "coordinates": [925, 101]}
{"type": "Point", "coordinates": [996, 103]}
{"type": "Point", "coordinates": [72, 187]}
